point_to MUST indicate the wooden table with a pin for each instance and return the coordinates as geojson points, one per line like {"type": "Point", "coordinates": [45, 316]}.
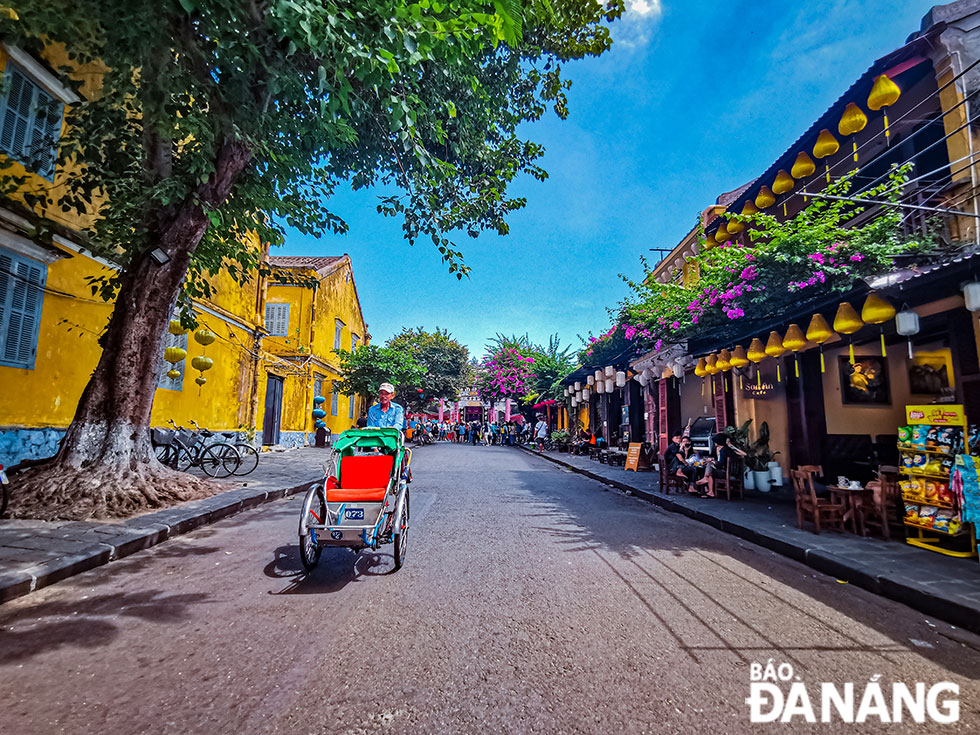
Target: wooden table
{"type": "Point", "coordinates": [854, 500]}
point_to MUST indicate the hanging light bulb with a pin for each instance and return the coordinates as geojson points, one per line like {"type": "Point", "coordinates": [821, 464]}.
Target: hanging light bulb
{"type": "Point", "coordinates": [877, 310]}
{"type": "Point", "coordinates": [765, 199]}
{"type": "Point", "coordinates": [757, 353]}
{"type": "Point", "coordinates": [847, 321]}
{"type": "Point", "coordinates": [774, 348]}
{"type": "Point", "coordinates": [852, 121]}
{"type": "Point", "coordinates": [794, 340]}
{"type": "Point", "coordinates": [819, 331]}
{"type": "Point", "coordinates": [884, 93]}
{"type": "Point", "coordinates": [907, 325]}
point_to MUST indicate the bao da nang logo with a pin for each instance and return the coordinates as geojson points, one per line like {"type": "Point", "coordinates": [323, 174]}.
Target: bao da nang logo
{"type": "Point", "coordinates": [776, 694]}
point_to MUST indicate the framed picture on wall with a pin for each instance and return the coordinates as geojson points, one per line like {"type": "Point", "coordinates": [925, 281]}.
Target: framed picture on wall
{"type": "Point", "coordinates": [865, 382]}
{"type": "Point", "coordinates": [931, 372]}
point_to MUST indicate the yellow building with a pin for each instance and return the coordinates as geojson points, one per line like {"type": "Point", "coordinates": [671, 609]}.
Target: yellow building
{"type": "Point", "coordinates": [267, 334]}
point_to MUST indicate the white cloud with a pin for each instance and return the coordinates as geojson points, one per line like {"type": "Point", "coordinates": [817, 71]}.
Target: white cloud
{"type": "Point", "coordinates": [635, 28]}
{"type": "Point", "coordinates": [644, 8]}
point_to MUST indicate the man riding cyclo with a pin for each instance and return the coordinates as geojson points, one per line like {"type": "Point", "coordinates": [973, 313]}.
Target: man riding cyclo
{"type": "Point", "coordinates": [385, 413]}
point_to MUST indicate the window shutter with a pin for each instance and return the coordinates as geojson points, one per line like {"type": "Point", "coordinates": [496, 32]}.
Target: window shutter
{"type": "Point", "coordinates": [334, 401]}
{"type": "Point", "coordinates": [43, 151]}
{"type": "Point", "coordinates": [350, 407]}
{"type": "Point", "coordinates": [277, 319]}
{"type": "Point", "coordinates": [22, 290]}
{"type": "Point", "coordinates": [16, 112]}
{"type": "Point", "coordinates": [30, 123]}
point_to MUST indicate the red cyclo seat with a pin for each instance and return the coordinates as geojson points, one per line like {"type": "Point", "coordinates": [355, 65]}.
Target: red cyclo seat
{"type": "Point", "coordinates": [364, 478]}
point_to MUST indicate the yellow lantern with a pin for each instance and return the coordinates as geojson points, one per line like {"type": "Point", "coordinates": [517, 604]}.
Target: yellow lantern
{"type": "Point", "coordinates": [794, 341]}
{"type": "Point", "coordinates": [884, 93]}
{"type": "Point", "coordinates": [734, 226]}
{"type": "Point", "coordinates": [749, 208]}
{"type": "Point", "coordinates": [204, 336]}
{"type": "Point", "coordinates": [803, 166]}
{"type": "Point", "coordinates": [852, 121]}
{"type": "Point", "coordinates": [173, 374]}
{"type": "Point", "coordinates": [783, 183]}
{"type": "Point", "coordinates": [765, 199]}
{"type": "Point", "coordinates": [819, 331]}
{"type": "Point", "coordinates": [701, 369]}
{"type": "Point", "coordinates": [721, 234]}
{"type": "Point", "coordinates": [200, 380]}
{"type": "Point", "coordinates": [174, 354]}
{"type": "Point", "coordinates": [847, 321]}
{"type": "Point", "coordinates": [724, 360]}
{"type": "Point", "coordinates": [775, 349]}
{"type": "Point", "coordinates": [825, 146]}
{"type": "Point", "coordinates": [877, 310]}
{"type": "Point", "coordinates": [739, 360]}
{"type": "Point", "coordinates": [202, 363]}
{"type": "Point", "coordinates": [666, 373]}
{"type": "Point", "coordinates": [712, 364]}
{"type": "Point", "coordinates": [757, 353]}
{"type": "Point", "coordinates": [175, 328]}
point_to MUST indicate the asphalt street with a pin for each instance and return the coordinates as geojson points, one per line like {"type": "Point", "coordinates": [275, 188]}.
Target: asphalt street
{"type": "Point", "coordinates": [533, 600]}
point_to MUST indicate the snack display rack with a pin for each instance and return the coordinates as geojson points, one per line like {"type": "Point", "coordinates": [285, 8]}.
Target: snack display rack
{"type": "Point", "coordinates": [927, 449]}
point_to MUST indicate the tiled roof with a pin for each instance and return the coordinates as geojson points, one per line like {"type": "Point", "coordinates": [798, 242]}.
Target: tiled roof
{"type": "Point", "coordinates": [318, 264]}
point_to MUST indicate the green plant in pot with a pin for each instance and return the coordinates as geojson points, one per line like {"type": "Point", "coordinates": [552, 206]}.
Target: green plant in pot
{"type": "Point", "coordinates": [758, 456]}
{"type": "Point", "coordinates": [560, 439]}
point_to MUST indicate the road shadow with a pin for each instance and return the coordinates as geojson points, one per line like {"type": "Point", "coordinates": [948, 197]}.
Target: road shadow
{"type": "Point", "coordinates": [85, 624]}
{"type": "Point", "coordinates": [338, 568]}
{"type": "Point", "coordinates": [584, 516]}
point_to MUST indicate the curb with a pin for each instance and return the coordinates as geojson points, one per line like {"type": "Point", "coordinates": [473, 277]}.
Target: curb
{"type": "Point", "coordinates": [136, 534]}
{"type": "Point", "coordinates": [885, 585]}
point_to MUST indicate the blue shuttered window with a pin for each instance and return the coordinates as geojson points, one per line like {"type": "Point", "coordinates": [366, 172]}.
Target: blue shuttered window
{"type": "Point", "coordinates": [30, 122]}
{"type": "Point", "coordinates": [334, 402]}
{"type": "Point", "coordinates": [21, 295]}
{"type": "Point", "coordinates": [350, 407]}
{"type": "Point", "coordinates": [277, 320]}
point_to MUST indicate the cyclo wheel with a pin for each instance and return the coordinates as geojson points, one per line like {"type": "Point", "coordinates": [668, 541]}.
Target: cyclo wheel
{"type": "Point", "coordinates": [219, 460]}
{"type": "Point", "coordinates": [314, 511]}
{"type": "Point", "coordinates": [401, 534]}
{"type": "Point", "coordinates": [249, 458]}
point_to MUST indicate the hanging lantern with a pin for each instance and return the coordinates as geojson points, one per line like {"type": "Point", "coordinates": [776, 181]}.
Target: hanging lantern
{"type": "Point", "coordinates": [847, 321]}
{"type": "Point", "coordinates": [971, 295]}
{"type": "Point", "coordinates": [738, 361]}
{"type": "Point", "coordinates": [876, 311]}
{"type": "Point", "coordinates": [907, 324]}
{"type": "Point", "coordinates": [852, 121]}
{"type": "Point", "coordinates": [735, 226]}
{"type": "Point", "coordinates": [586, 394]}
{"type": "Point", "coordinates": [775, 349]}
{"type": "Point", "coordinates": [620, 379]}
{"type": "Point", "coordinates": [749, 207]}
{"type": "Point", "coordinates": [803, 166]}
{"type": "Point", "coordinates": [200, 380]}
{"type": "Point", "coordinates": [173, 374]}
{"type": "Point", "coordinates": [600, 387]}
{"type": "Point", "coordinates": [701, 369]}
{"type": "Point", "coordinates": [724, 360]}
{"type": "Point", "coordinates": [712, 361]}
{"type": "Point", "coordinates": [721, 234]}
{"type": "Point", "coordinates": [757, 353]}
{"type": "Point", "coordinates": [204, 336]}
{"type": "Point", "coordinates": [664, 375]}
{"type": "Point", "coordinates": [320, 424]}
{"type": "Point", "coordinates": [590, 380]}
{"type": "Point", "coordinates": [610, 385]}
{"type": "Point", "coordinates": [578, 386]}
{"type": "Point", "coordinates": [825, 146]}
{"type": "Point", "coordinates": [609, 371]}
{"type": "Point", "coordinates": [884, 93]}
{"type": "Point", "coordinates": [819, 331]}
{"type": "Point", "coordinates": [599, 376]}
{"type": "Point", "coordinates": [175, 329]}
{"type": "Point", "coordinates": [765, 199]}
{"type": "Point", "coordinates": [794, 341]}
{"type": "Point", "coordinates": [783, 183]}
{"type": "Point", "coordinates": [319, 413]}
{"type": "Point", "coordinates": [318, 400]}
{"type": "Point", "coordinates": [174, 354]}
{"type": "Point", "coordinates": [202, 363]}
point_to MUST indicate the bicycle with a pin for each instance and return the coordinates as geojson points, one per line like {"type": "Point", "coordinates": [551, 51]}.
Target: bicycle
{"type": "Point", "coordinates": [248, 454]}
{"type": "Point", "coordinates": [185, 449]}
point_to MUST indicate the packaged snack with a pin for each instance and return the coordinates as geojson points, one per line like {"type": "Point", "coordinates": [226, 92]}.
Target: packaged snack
{"type": "Point", "coordinates": [907, 460]}
{"type": "Point", "coordinates": [930, 465]}
{"type": "Point", "coordinates": [946, 465]}
{"type": "Point", "coordinates": [932, 437]}
{"type": "Point", "coordinates": [904, 434]}
{"type": "Point", "coordinates": [954, 523]}
{"type": "Point", "coordinates": [932, 491]}
{"type": "Point", "coordinates": [919, 436]}
{"type": "Point", "coordinates": [927, 515]}
{"type": "Point", "coordinates": [944, 442]}
{"type": "Point", "coordinates": [942, 520]}
{"type": "Point", "coordinates": [905, 486]}
{"type": "Point", "coordinates": [956, 440]}
{"type": "Point", "coordinates": [912, 512]}
{"type": "Point", "coordinates": [945, 494]}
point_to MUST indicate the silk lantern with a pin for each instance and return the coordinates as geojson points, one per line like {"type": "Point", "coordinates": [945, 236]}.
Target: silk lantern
{"type": "Point", "coordinates": [782, 184]}
{"type": "Point", "coordinates": [765, 198]}
{"type": "Point", "coordinates": [735, 226]}
{"type": "Point", "coordinates": [175, 328]}
{"type": "Point", "coordinates": [884, 93]}
{"type": "Point", "coordinates": [907, 324]}
{"type": "Point", "coordinates": [724, 361]}
{"type": "Point", "coordinates": [173, 374]}
{"type": "Point", "coordinates": [847, 321]}
{"type": "Point", "coordinates": [794, 341]}
{"type": "Point", "coordinates": [204, 336]}
{"type": "Point", "coordinates": [971, 295]}
{"type": "Point", "coordinates": [775, 349]}
{"type": "Point", "coordinates": [852, 121]}
{"type": "Point", "coordinates": [819, 331]}
{"type": "Point", "coordinates": [757, 353]}
{"type": "Point", "coordinates": [802, 167]}
{"type": "Point", "coordinates": [826, 146]}
{"type": "Point", "coordinates": [721, 234]}
{"type": "Point", "coordinates": [711, 364]}
{"type": "Point", "coordinates": [701, 369]}
{"type": "Point", "coordinates": [174, 354]}
{"type": "Point", "coordinates": [739, 361]}
{"type": "Point", "coordinates": [620, 378]}
{"type": "Point", "coordinates": [877, 310]}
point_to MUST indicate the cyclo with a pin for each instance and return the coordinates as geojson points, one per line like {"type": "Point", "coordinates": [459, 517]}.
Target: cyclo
{"type": "Point", "coordinates": [363, 501]}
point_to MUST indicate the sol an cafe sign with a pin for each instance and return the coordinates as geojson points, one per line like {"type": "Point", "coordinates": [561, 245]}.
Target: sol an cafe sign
{"type": "Point", "coordinates": [776, 694]}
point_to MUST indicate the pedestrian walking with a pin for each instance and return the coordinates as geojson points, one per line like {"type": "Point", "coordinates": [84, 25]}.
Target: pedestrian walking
{"type": "Point", "coordinates": [540, 433]}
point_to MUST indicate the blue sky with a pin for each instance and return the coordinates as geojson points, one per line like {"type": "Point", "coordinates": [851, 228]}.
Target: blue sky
{"type": "Point", "coordinates": [696, 98]}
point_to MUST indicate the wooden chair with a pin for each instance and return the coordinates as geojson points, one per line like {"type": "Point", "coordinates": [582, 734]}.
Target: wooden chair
{"type": "Point", "coordinates": [733, 481]}
{"type": "Point", "coordinates": [887, 510]}
{"type": "Point", "coordinates": [669, 480]}
{"type": "Point", "coordinates": [814, 470]}
{"type": "Point", "coordinates": [807, 502]}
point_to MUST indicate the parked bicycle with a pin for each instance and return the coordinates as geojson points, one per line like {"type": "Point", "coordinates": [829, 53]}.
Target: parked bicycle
{"type": "Point", "coordinates": [249, 455]}
{"type": "Point", "coordinates": [182, 449]}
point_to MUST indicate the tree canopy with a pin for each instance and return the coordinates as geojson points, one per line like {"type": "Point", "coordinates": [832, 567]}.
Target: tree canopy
{"type": "Point", "coordinates": [364, 370]}
{"type": "Point", "coordinates": [444, 361]}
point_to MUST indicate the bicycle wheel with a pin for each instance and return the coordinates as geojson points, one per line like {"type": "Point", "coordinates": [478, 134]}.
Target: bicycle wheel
{"type": "Point", "coordinates": [219, 460]}
{"type": "Point", "coordinates": [164, 453]}
{"type": "Point", "coordinates": [314, 512]}
{"type": "Point", "coordinates": [181, 459]}
{"type": "Point", "coordinates": [401, 534]}
{"type": "Point", "coordinates": [249, 456]}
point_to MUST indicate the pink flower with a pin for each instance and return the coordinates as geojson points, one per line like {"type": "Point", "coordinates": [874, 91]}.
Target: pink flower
{"type": "Point", "coordinates": [675, 325]}
{"type": "Point", "coordinates": [856, 257]}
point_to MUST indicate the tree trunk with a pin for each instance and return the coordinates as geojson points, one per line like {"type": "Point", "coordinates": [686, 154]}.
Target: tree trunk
{"type": "Point", "coordinates": [105, 466]}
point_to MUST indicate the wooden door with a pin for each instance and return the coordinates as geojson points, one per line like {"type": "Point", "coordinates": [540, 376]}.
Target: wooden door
{"type": "Point", "coordinates": [273, 410]}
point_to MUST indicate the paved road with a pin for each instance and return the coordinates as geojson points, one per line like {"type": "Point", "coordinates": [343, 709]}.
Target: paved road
{"type": "Point", "coordinates": [534, 600]}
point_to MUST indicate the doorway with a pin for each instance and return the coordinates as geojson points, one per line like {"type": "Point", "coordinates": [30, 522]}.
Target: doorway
{"type": "Point", "coordinates": [273, 410]}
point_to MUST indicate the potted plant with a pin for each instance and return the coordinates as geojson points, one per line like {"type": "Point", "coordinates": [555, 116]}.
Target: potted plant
{"type": "Point", "coordinates": [740, 438]}
{"type": "Point", "coordinates": [560, 440]}
{"type": "Point", "coordinates": [759, 459]}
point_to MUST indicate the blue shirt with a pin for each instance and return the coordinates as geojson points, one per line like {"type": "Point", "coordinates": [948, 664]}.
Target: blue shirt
{"type": "Point", "coordinates": [393, 417]}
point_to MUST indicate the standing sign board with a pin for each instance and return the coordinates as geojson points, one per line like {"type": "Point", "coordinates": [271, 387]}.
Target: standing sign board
{"type": "Point", "coordinates": [634, 458]}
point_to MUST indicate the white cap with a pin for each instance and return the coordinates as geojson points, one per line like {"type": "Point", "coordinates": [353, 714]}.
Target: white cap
{"type": "Point", "coordinates": [387, 387]}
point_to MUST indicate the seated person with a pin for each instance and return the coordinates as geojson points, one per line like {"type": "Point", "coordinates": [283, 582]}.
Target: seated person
{"type": "Point", "coordinates": [678, 460]}
{"type": "Point", "coordinates": [717, 465]}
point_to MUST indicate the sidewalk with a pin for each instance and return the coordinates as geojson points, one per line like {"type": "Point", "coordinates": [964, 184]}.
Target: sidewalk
{"type": "Point", "coordinates": [940, 586]}
{"type": "Point", "coordinates": [34, 554]}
